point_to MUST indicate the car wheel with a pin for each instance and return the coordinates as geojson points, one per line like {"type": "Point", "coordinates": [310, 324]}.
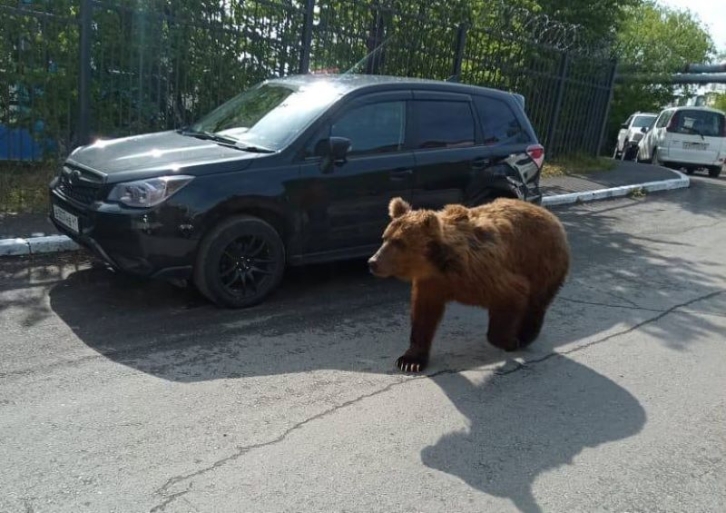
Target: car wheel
{"type": "Point", "coordinates": [624, 153]}
{"type": "Point", "coordinates": [641, 159]}
{"type": "Point", "coordinates": [690, 170]}
{"type": "Point", "coordinates": [654, 158]}
{"type": "Point", "coordinates": [714, 171]}
{"type": "Point", "coordinates": [240, 262]}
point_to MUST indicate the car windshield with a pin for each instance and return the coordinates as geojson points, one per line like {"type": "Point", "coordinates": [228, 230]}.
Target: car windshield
{"type": "Point", "coordinates": [268, 115]}
{"type": "Point", "coordinates": [700, 122]}
{"type": "Point", "coordinates": [643, 121]}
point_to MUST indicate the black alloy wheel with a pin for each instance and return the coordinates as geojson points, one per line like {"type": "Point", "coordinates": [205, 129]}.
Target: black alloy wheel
{"type": "Point", "coordinates": [240, 262]}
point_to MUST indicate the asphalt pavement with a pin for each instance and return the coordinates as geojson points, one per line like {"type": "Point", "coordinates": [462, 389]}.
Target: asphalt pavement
{"type": "Point", "coordinates": [119, 395]}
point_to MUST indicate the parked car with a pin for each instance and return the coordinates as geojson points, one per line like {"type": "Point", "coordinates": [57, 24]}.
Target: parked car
{"type": "Point", "coordinates": [687, 138]}
{"type": "Point", "coordinates": [630, 134]}
{"type": "Point", "coordinates": [291, 171]}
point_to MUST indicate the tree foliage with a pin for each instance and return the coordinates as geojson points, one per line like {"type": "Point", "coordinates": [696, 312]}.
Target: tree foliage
{"type": "Point", "coordinates": [162, 63]}
{"type": "Point", "coordinates": [654, 40]}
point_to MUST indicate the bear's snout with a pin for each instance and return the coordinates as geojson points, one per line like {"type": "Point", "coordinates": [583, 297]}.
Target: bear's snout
{"type": "Point", "coordinates": [373, 265]}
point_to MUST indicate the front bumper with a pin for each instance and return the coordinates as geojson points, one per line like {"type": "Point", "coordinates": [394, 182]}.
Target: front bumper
{"type": "Point", "coordinates": [143, 243]}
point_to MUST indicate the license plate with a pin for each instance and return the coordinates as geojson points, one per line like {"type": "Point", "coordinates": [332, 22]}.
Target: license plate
{"type": "Point", "coordinates": [694, 146]}
{"type": "Point", "coordinates": [65, 218]}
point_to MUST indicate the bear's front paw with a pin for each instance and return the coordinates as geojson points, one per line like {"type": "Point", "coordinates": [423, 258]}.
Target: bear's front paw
{"type": "Point", "coordinates": [409, 363]}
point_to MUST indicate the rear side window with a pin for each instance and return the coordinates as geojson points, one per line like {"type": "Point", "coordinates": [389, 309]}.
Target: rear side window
{"type": "Point", "coordinates": [444, 124]}
{"type": "Point", "coordinates": [663, 119]}
{"type": "Point", "coordinates": [698, 122]}
{"type": "Point", "coordinates": [498, 122]}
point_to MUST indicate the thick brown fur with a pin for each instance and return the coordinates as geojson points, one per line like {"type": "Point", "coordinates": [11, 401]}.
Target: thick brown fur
{"type": "Point", "coordinates": [508, 256]}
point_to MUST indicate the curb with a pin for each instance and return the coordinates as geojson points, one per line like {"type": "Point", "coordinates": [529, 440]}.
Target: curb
{"type": "Point", "coordinates": [615, 192]}
{"type": "Point", "coordinates": [59, 243]}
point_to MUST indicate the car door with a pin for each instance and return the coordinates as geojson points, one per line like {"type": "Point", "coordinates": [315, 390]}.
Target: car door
{"type": "Point", "coordinates": [346, 205]}
{"type": "Point", "coordinates": [444, 135]}
{"type": "Point", "coordinates": [656, 136]}
{"type": "Point", "coordinates": [468, 150]}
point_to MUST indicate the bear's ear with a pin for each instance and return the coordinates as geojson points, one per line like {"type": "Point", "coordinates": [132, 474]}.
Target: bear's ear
{"type": "Point", "coordinates": [397, 207]}
{"type": "Point", "coordinates": [456, 213]}
{"type": "Point", "coordinates": [430, 222]}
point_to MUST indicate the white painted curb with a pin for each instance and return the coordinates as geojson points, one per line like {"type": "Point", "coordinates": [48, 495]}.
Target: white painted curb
{"type": "Point", "coordinates": [33, 245]}
{"type": "Point", "coordinates": [661, 185]}
{"type": "Point", "coordinates": [58, 243]}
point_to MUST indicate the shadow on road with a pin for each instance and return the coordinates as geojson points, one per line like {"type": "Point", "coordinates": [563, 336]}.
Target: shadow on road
{"type": "Point", "coordinates": [339, 317]}
{"type": "Point", "coordinates": [521, 428]}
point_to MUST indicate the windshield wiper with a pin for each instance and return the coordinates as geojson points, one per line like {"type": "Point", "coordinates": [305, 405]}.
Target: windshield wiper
{"type": "Point", "coordinates": [255, 149]}
{"type": "Point", "coordinates": [695, 131]}
{"type": "Point", "coordinates": [210, 136]}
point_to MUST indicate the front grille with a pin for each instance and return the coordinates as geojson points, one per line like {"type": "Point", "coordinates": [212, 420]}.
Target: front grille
{"type": "Point", "coordinates": [79, 185]}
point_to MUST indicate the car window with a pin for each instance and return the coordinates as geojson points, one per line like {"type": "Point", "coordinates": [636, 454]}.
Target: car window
{"type": "Point", "coordinates": [498, 122]}
{"type": "Point", "coordinates": [641, 121]}
{"type": "Point", "coordinates": [699, 122]}
{"type": "Point", "coordinates": [444, 124]}
{"type": "Point", "coordinates": [663, 119]}
{"type": "Point", "coordinates": [373, 128]}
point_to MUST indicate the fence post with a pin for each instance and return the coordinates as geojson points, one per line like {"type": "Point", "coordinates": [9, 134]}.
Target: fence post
{"type": "Point", "coordinates": [84, 78]}
{"type": "Point", "coordinates": [606, 114]}
{"type": "Point", "coordinates": [459, 52]}
{"type": "Point", "coordinates": [307, 37]}
{"type": "Point", "coordinates": [555, 118]}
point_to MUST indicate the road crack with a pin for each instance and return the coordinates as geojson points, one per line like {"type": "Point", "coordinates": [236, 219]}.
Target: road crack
{"type": "Point", "coordinates": [628, 306]}
{"type": "Point", "coordinates": [241, 451]}
{"type": "Point", "coordinates": [602, 340]}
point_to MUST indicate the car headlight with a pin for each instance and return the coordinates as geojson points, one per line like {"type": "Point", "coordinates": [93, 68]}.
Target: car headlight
{"type": "Point", "coordinates": [149, 192]}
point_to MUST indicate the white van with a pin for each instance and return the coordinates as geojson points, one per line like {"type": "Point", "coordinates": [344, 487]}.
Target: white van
{"type": "Point", "coordinates": [688, 138]}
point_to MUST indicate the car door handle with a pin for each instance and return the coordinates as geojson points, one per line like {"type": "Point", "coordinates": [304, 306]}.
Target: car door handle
{"type": "Point", "coordinates": [480, 163]}
{"type": "Point", "coordinates": [401, 174]}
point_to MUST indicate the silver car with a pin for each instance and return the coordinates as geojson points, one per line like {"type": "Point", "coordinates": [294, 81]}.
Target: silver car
{"type": "Point", "coordinates": [630, 134]}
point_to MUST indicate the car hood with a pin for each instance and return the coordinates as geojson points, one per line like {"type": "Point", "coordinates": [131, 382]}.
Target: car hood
{"type": "Point", "coordinates": [147, 155]}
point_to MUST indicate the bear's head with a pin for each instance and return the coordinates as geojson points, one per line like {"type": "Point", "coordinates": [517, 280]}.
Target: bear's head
{"type": "Point", "coordinates": [413, 246]}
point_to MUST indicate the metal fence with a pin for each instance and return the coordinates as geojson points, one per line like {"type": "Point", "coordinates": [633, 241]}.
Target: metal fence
{"type": "Point", "coordinates": [72, 70]}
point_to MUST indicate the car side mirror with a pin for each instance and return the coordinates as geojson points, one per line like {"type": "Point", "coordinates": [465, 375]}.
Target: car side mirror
{"type": "Point", "coordinates": [644, 129]}
{"type": "Point", "coordinates": [334, 151]}
{"type": "Point", "coordinates": [624, 125]}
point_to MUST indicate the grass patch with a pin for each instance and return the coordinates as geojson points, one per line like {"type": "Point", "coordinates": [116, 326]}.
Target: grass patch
{"type": "Point", "coordinates": [576, 164]}
{"type": "Point", "coordinates": [24, 186]}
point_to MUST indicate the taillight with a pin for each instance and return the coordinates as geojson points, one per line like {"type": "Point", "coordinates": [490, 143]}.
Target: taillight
{"type": "Point", "coordinates": [536, 152]}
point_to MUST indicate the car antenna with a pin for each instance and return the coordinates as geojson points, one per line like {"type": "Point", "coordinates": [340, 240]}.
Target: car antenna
{"type": "Point", "coordinates": [369, 54]}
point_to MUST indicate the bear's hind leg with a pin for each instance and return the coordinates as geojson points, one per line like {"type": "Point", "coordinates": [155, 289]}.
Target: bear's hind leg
{"type": "Point", "coordinates": [531, 324]}
{"type": "Point", "coordinates": [504, 327]}
{"type": "Point", "coordinates": [534, 317]}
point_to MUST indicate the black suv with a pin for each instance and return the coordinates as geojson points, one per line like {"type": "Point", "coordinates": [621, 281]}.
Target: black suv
{"type": "Point", "coordinates": [291, 171]}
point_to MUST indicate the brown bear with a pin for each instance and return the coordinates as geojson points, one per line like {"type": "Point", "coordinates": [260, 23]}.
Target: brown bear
{"type": "Point", "coordinates": [508, 256]}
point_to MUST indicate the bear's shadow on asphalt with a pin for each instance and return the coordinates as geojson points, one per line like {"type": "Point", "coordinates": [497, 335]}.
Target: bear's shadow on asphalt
{"type": "Point", "coordinates": [521, 427]}
{"type": "Point", "coordinates": [339, 317]}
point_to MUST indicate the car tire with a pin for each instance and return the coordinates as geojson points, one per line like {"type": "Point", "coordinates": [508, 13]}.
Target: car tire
{"type": "Point", "coordinates": [714, 171]}
{"type": "Point", "coordinates": [654, 158]}
{"type": "Point", "coordinates": [639, 159]}
{"type": "Point", "coordinates": [240, 262]}
{"type": "Point", "coordinates": [624, 154]}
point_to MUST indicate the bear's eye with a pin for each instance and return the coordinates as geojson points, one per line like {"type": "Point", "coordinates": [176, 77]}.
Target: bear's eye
{"type": "Point", "coordinates": [398, 243]}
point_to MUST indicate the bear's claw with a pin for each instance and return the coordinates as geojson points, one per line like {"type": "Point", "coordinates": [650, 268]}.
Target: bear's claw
{"type": "Point", "coordinates": [410, 364]}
